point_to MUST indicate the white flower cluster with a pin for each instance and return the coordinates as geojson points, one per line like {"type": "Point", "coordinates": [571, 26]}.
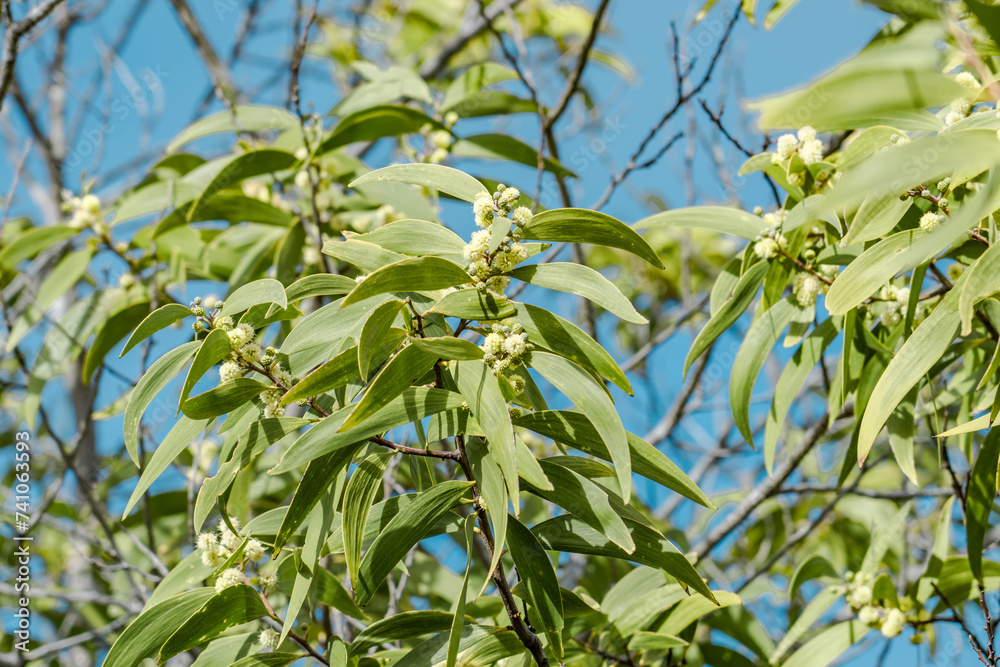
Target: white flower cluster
{"type": "Point", "coordinates": [487, 269]}
{"type": "Point", "coordinates": [441, 140]}
{"type": "Point", "coordinates": [271, 398]}
{"type": "Point", "coordinates": [86, 212]}
{"type": "Point", "coordinates": [930, 220]}
{"type": "Point", "coordinates": [266, 579]}
{"type": "Point", "coordinates": [505, 347]}
{"type": "Point", "coordinates": [261, 192]}
{"type": "Point", "coordinates": [859, 596]}
{"type": "Point", "coordinates": [767, 244]}
{"type": "Point", "coordinates": [808, 147]}
{"type": "Point", "coordinates": [962, 107]}
{"type": "Point", "coordinates": [896, 300]}
{"type": "Point", "coordinates": [806, 287]}
{"type": "Point", "coordinates": [268, 638]}
{"type": "Point", "coordinates": [229, 577]}
{"type": "Point", "coordinates": [217, 546]}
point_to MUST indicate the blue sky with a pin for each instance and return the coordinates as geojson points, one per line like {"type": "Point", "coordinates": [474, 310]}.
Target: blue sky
{"type": "Point", "coordinates": [159, 62]}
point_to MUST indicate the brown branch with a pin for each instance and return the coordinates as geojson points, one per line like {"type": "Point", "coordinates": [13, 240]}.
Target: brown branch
{"type": "Point", "coordinates": [14, 34]}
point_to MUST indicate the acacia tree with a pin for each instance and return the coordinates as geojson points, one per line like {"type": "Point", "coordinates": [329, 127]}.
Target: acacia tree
{"type": "Point", "coordinates": [374, 449]}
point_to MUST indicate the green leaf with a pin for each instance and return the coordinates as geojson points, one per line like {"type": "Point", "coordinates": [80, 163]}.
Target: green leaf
{"type": "Point", "coordinates": [319, 476]}
{"type": "Point", "coordinates": [567, 533]}
{"type": "Point", "coordinates": [228, 205]}
{"type": "Point", "coordinates": [493, 492]}
{"type": "Point", "coordinates": [321, 284]}
{"type": "Point", "coordinates": [811, 568]}
{"type": "Point", "coordinates": [876, 217]}
{"type": "Point", "coordinates": [374, 330]}
{"type": "Point", "coordinates": [225, 398]}
{"type": "Point", "coordinates": [471, 82]}
{"type": "Point", "coordinates": [266, 290]}
{"type": "Point", "coordinates": [449, 347]}
{"type": "Point", "coordinates": [809, 615]}
{"type": "Point", "coordinates": [408, 366]}
{"type": "Point", "coordinates": [754, 350]}
{"type": "Point", "coordinates": [415, 274]}
{"type": "Point", "coordinates": [574, 604]}
{"type": "Point", "coordinates": [654, 641]}
{"type": "Point", "coordinates": [988, 16]}
{"type": "Point", "coordinates": [366, 256]}
{"type": "Point", "coordinates": [117, 325]}
{"type": "Point", "coordinates": [64, 276]}
{"type": "Point", "coordinates": [365, 482]}
{"type": "Point", "coordinates": [576, 225]}
{"type": "Point", "coordinates": [885, 536]}
{"type": "Point", "coordinates": [233, 606]}
{"type": "Point", "coordinates": [149, 385]}
{"type": "Point", "coordinates": [342, 369]}
{"type": "Point", "coordinates": [792, 378]}
{"type": "Point", "coordinates": [587, 501]}
{"type": "Point", "coordinates": [404, 625]}
{"type": "Point", "coordinates": [458, 609]}
{"type": "Point", "coordinates": [414, 404]}
{"type": "Point", "coordinates": [233, 170]}
{"type": "Point", "coordinates": [145, 635]}
{"type": "Point", "coordinates": [382, 87]}
{"type": "Point", "coordinates": [213, 349]}
{"type": "Point", "coordinates": [492, 650]}
{"type": "Point", "coordinates": [480, 389]}
{"type": "Point", "coordinates": [471, 304]}
{"type": "Point", "coordinates": [690, 609]}
{"type": "Point", "coordinates": [434, 176]}
{"type": "Point", "coordinates": [983, 281]}
{"type": "Point", "coordinates": [982, 492]}
{"type": "Point", "coordinates": [919, 353]}
{"type": "Point", "coordinates": [180, 436]}
{"type": "Point", "coordinates": [402, 533]}
{"type": "Point", "coordinates": [244, 118]}
{"type": "Point", "coordinates": [730, 311]}
{"type": "Point", "coordinates": [271, 659]}
{"type": "Point", "coordinates": [415, 237]}
{"type": "Point", "coordinates": [575, 429]}
{"type": "Point", "coordinates": [722, 219]}
{"type": "Point", "coordinates": [375, 123]}
{"type": "Point", "coordinates": [583, 281]}
{"type": "Point", "coordinates": [539, 577]}
{"type": "Point", "coordinates": [331, 592]}
{"type": "Point", "coordinates": [590, 397]}
{"type": "Point", "coordinates": [827, 646]}
{"type": "Point", "coordinates": [32, 242]}
{"type": "Point", "coordinates": [160, 318]}
{"type": "Point", "coordinates": [565, 338]}
{"type": "Point", "coordinates": [434, 651]}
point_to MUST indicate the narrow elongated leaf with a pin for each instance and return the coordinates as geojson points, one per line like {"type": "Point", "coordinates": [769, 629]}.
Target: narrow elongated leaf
{"type": "Point", "coordinates": [565, 338]}
{"type": "Point", "coordinates": [149, 385]}
{"type": "Point", "coordinates": [504, 147]}
{"type": "Point", "coordinates": [319, 476]}
{"type": "Point", "coordinates": [271, 659]}
{"type": "Point", "coordinates": [471, 304]}
{"type": "Point", "coordinates": [404, 625]}
{"type": "Point", "coordinates": [577, 225]}
{"type": "Point", "coordinates": [876, 218]}
{"type": "Point", "coordinates": [567, 533]}
{"type": "Point", "coordinates": [224, 398]}
{"type": "Point", "coordinates": [160, 318]}
{"type": "Point", "coordinates": [583, 281]}
{"type": "Point", "coordinates": [576, 430]}
{"type": "Point", "coordinates": [690, 609]}
{"type": "Point", "coordinates": [403, 531]}
{"type": "Point", "coordinates": [435, 176]}
{"type": "Point", "coordinates": [321, 284]}
{"type": "Point", "coordinates": [458, 609]}
{"type": "Point", "coordinates": [415, 274]}
{"type": "Point", "coordinates": [180, 436]}
{"type": "Point", "coordinates": [722, 219]}
{"type": "Point", "coordinates": [730, 311]}
{"type": "Point", "coordinates": [539, 577]}
{"type": "Point", "coordinates": [115, 328]}
{"type": "Point", "coordinates": [493, 493]}
{"type": "Point", "coordinates": [32, 242]}
{"type": "Point", "coordinates": [449, 347]}
{"type": "Point", "coordinates": [145, 635]}
{"type": "Point", "coordinates": [374, 330]}
{"type": "Point", "coordinates": [374, 123]}
{"type": "Point", "coordinates": [213, 349]}
{"type": "Point", "coordinates": [580, 387]}
{"type": "Point", "coordinates": [233, 606]}
{"type": "Point", "coordinates": [358, 497]}
{"type": "Point", "coordinates": [366, 256]}
{"type": "Point", "coordinates": [265, 290]}
{"type": "Point", "coordinates": [982, 492]}
{"type": "Point", "coordinates": [414, 404]}
{"type": "Point", "coordinates": [791, 380]}
{"type": "Point", "coordinates": [983, 281]}
{"type": "Point", "coordinates": [828, 645]}
{"type": "Point", "coordinates": [415, 237]}
{"type": "Point", "coordinates": [479, 387]}
{"type": "Point", "coordinates": [236, 168]}
{"type": "Point", "coordinates": [750, 359]}
{"type": "Point", "coordinates": [408, 366]}
{"type": "Point", "coordinates": [248, 118]}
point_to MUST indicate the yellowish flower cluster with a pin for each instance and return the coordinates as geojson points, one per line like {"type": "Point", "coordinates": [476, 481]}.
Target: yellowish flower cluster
{"type": "Point", "coordinates": [859, 596]}
{"type": "Point", "coordinates": [896, 300]}
{"type": "Point", "coordinates": [962, 107]}
{"type": "Point", "coordinates": [806, 287]}
{"type": "Point", "coordinates": [808, 147]}
{"type": "Point", "coordinates": [85, 212]}
{"type": "Point", "coordinates": [768, 243]}
{"type": "Point", "coordinates": [217, 546]}
{"type": "Point", "coordinates": [487, 268]}
{"type": "Point", "coordinates": [268, 638]}
{"type": "Point", "coordinates": [505, 347]}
